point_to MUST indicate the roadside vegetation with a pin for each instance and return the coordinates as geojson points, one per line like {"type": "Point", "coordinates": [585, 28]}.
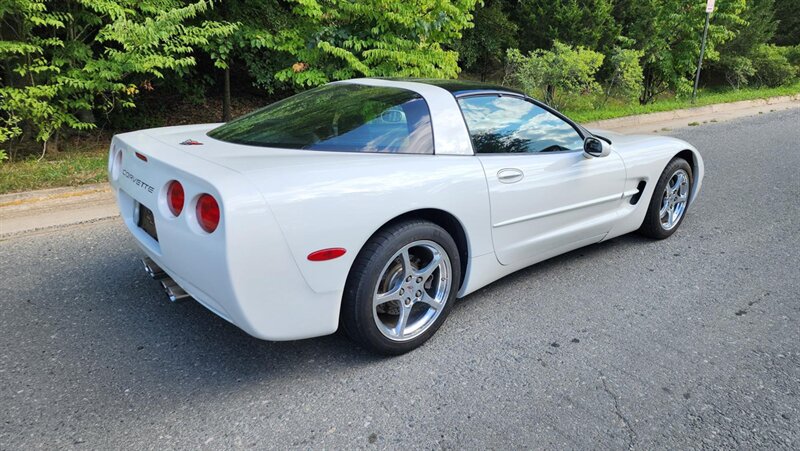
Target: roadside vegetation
{"type": "Point", "coordinates": [75, 72]}
{"type": "Point", "coordinates": [77, 167]}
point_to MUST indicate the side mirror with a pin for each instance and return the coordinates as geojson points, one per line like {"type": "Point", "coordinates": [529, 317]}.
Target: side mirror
{"type": "Point", "coordinates": [595, 147]}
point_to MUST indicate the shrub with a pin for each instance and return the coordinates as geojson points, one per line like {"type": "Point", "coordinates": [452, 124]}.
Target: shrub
{"type": "Point", "coordinates": [772, 67]}
{"type": "Point", "coordinates": [626, 77]}
{"type": "Point", "coordinates": [793, 56]}
{"type": "Point", "coordinates": [564, 68]}
{"type": "Point", "coordinates": [738, 70]}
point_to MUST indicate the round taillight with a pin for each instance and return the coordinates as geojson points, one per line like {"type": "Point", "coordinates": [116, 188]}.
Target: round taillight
{"type": "Point", "coordinates": [207, 212]}
{"type": "Point", "coordinates": [175, 197]}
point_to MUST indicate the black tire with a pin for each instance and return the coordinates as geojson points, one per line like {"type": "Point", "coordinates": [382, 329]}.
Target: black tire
{"type": "Point", "coordinates": [652, 226]}
{"type": "Point", "coordinates": [356, 318]}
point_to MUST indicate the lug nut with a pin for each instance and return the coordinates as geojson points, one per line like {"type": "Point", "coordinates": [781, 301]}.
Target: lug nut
{"type": "Point", "coordinates": [401, 291]}
{"type": "Point", "coordinates": [419, 293]}
{"type": "Point", "coordinates": [419, 279]}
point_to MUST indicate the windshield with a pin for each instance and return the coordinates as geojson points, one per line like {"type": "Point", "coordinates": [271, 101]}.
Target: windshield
{"type": "Point", "coordinates": [338, 117]}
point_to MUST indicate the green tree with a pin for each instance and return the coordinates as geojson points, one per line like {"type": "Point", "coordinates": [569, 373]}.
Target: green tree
{"type": "Point", "coordinates": [757, 28]}
{"type": "Point", "coordinates": [788, 14]}
{"type": "Point", "coordinates": [64, 60]}
{"type": "Point", "coordinates": [340, 39]}
{"type": "Point", "coordinates": [668, 32]}
{"type": "Point", "coordinates": [249, 45]}
{"type": "Point", "coordinates": [564, 68]}
{"type": "Point", "coordinates": [483, 46]}
{"type": "Point", "coordinates": [587, 23]}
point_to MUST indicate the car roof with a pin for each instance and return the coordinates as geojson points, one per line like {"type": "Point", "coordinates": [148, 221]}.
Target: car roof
{"type": "Point", "coordinates": [460, 87]}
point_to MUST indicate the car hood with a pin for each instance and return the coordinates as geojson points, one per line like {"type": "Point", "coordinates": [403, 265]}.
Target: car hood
{"type": "Point", "coordinates": [623, 143]}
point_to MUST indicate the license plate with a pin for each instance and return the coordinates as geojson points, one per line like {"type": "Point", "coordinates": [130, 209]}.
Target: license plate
{"type": "Point", "coordinates": [147, 222]}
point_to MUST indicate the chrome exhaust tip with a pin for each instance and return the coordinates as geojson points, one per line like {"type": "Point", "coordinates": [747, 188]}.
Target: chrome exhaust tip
{"type": "Point", "coordinates": [174, 291]}
{"type": "Point", "coordinates": [152, 269]}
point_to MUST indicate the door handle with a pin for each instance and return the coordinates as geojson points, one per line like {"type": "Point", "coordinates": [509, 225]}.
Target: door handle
{"type": "Point", "coordinates": [509, 175]}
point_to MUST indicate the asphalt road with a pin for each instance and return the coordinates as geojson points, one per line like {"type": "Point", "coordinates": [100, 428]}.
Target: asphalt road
{"type": "Point", "coordinates": [685, 343]}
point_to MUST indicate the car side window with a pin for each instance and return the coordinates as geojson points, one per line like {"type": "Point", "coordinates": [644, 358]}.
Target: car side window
{"type": "Point", "coordinates": [507, 124]}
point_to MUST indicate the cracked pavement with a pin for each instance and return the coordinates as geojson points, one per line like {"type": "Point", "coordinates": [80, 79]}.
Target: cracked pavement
{"type": "Point", "coordinates": [618, 412]}
{"type": "Point", "coordinates": [691, 342]}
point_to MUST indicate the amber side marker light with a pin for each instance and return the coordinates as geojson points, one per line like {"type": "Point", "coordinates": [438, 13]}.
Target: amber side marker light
{"type": "Point", "coordinates": [326, 254]}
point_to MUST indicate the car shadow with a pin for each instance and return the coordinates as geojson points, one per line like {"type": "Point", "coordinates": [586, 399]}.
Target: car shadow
{"type": "Point", "coordinates": [114, 320]}
{"type": "Point", "coordinates": [593, 250]}
{"type": "Point", "coordinates": [131, 327]}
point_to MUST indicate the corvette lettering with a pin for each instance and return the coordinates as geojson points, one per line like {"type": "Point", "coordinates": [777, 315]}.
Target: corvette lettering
{"type": "Point", "coordinates": [137, 181]}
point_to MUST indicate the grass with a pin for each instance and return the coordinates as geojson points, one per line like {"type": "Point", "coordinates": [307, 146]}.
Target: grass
{"type": "Point", "coordinates": [704, 97]}
{"type": "Point", "coordinates": [87, 163]}
{"type": "Point", "coordinates": [63, 169]}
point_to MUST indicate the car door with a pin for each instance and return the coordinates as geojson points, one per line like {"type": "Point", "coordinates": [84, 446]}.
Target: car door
{"type": "Point", "coordinates": [546, 196]}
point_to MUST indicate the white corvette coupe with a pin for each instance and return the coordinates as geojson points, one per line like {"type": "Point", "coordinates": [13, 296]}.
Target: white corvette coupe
{"type": "Point", "coordinates": [373, 204]}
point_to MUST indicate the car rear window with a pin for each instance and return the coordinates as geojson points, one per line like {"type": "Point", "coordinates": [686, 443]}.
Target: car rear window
{"type": "Point", "coordinates": [338, 117]}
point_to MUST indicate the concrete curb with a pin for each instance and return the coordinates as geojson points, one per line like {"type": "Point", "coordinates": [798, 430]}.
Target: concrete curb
{"type": "Point", "coordinates": [29, 197]}
{"type": "Point", "coordinates": [57, 207]}
{"type": "Point", "coordinates": [52, 208]}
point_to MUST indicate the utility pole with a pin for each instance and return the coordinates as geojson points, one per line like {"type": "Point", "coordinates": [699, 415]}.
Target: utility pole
{"type": "Point", "coordinates": [709, 10]}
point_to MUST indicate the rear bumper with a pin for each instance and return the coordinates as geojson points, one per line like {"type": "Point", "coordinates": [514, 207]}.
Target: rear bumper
{"type": "Point", "coordinates": [195, 292]}
{"type": "Point", "coordinates": [266, 297]}
{"type": "Point", "coordinates": [244, 272]}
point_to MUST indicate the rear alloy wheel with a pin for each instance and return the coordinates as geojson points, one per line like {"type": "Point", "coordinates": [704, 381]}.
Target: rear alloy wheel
{"type": "Point", "coordinates": [670, 200]}
{"type": "Point", "coordinates": [401, 287]}
{"type": "Point", "coordinates": [412, 290]}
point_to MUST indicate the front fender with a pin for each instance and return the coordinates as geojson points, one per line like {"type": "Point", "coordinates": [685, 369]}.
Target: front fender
{"type": "Point", "coordinates": [645, 157]}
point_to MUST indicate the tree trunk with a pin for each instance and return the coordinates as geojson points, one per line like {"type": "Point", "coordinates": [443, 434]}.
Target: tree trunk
{"type": "Point", "coordinates": [649, 87]}
{"type": "Point", "coordinates": [44, 150]}
{"type": "Point", "coordinates": [226, 95]}
{"type": "Point", "coordinates": [56, 146]}
{"type": "Point", "coordinates": [549, 94]}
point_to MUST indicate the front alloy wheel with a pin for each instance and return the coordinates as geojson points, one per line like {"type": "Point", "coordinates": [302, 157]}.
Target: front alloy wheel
{"type": "Point", "coordinates": [674, 199]}
{"type": "Point", "coordinates": [669, 201]}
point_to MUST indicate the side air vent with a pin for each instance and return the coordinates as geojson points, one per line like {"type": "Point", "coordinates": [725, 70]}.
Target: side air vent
{"type": "Point", "coordinates": [640, 189]}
